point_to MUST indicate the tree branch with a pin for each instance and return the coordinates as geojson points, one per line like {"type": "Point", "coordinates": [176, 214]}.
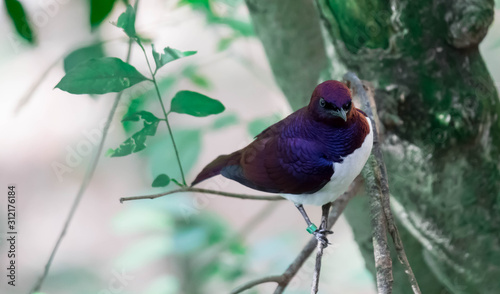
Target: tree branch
{"type": "Point", "coordinates": [284, 279]}
{"type": "Point", "coordinates": [206, 191]}
{"type": "Point", "coordinates": [380, 204]}
{"type": "Point", "coordinates": [317, 267]}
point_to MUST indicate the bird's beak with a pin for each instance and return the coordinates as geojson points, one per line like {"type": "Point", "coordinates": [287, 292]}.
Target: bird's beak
{"type": "Point", "coordinates": [340, 113]}
{"type": "Point", "coordinates": [343, 114]}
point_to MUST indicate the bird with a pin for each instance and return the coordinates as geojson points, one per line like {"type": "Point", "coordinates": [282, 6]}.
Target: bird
{"type": "Point", "coordinates": [310, 157]}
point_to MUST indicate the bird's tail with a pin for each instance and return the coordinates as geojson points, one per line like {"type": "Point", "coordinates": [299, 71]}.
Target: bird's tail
{"type": "Point", "coordinates": [215, 167]}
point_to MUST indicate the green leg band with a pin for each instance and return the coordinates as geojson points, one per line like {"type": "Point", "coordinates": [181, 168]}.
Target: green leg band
{"type": "Point", "coordinates": [311, 229]}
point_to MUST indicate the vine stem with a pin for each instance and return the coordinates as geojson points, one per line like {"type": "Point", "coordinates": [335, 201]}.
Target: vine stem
{"type": "Point", "coordinates": [153, 74]}
{"type": "Point", "coordinates": [86, 180]}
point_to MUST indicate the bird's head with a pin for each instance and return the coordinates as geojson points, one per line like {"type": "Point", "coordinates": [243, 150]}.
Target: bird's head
{"type": "Point", "coordinates": [331, 101]}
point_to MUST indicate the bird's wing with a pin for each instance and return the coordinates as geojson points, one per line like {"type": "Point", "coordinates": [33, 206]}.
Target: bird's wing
{"type": "Point", "coordinates": [283, 124]}
{"type": "Point", "coordinates": [278, 164]}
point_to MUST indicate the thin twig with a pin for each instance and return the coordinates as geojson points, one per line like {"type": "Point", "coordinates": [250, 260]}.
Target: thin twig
{"type": "Point", "coordinates": [26, 97]}
{"type": "Point", "coordinates": [381, 174]}
{"type": "Point", "coordinates": [284, 279]}
{"type": "Point", "coordinates": [317, 268]}
{"type": "Point", "coordinates": [153, 74]}
{"type": "Point", "coordinates": [253, 283]}
{"type": "Point", "coordinates": [206, 191]}
{"type": "Point", "coordinates": [320, 247]}
{"type": "Point", "coordinates": [83, 187]}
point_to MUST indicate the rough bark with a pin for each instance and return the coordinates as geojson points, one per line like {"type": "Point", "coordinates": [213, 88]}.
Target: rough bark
{"type": "Point", "coordinates": [440, 113]}
{"type": "Point", "coordinates": [291, 35]}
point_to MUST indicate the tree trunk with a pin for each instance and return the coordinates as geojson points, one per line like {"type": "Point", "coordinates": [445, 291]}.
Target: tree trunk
{"type": "Point", "coordinates": [440, 115]}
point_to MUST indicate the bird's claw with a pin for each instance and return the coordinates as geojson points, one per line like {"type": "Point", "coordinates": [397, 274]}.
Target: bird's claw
{"type": "Point", "coordinates": [321, 236]}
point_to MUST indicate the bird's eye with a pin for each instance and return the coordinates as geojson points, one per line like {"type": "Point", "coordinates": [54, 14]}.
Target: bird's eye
{"type": "Point", "coordinates": [347, 106]}
{"type": "Point", "coordinates": [322, 102]}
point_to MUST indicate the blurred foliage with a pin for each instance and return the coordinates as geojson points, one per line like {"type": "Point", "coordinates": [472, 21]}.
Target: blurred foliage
{"type": "Point", "coordinates": [20, 20]}
{"type": "Point", "coordinates": [191, 72]}
{"type": "Point", "coordinates": [257, 125]}
{"type": "Point", "coordinates": [161, 156]}
{"type": "Point", "coordinates": [80, 280]}
{"type": "Point", "coordinates": [223, 13]}
{"type": "Point", "coordinates": [226, 120]}
{"type": "Point", "coordinates": [198, 245]}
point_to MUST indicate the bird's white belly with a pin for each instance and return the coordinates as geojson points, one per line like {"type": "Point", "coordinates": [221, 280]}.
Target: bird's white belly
{"type": "Point", "coordinates": [344, 174]}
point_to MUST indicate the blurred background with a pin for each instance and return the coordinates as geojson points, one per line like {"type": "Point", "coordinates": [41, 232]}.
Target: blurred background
{"type": "Point", "coordinates": [182, 243]}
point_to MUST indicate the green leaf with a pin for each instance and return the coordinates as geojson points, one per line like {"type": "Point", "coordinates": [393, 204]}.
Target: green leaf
{"type": "Point", "coordinates": [161, 181]}
{"type": "Point", "coordinates": [82, 54]}
{"type": "Point", "coordinates": [225, 121]}
{"type": "Point", "coordinates": [100, 76]}
{"type": "Point", "coordinates": [195, 104]}
{"type": "Point", "coordinates": [99, 10]}
{"type": "Point", "coordinates": [137, 141]}
{"type": "Point", "coordinates": [20, 20]}
{"type": "Point", "coordinates": [170, 54]}
{"type": "Point", "coordinates": [126, 21]}
{"type": "Point", "coordinates": [257, 125]}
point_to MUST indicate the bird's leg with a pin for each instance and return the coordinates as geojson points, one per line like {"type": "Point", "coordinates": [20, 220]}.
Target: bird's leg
{"type": "Point", "coordinates": [306, 218]}
{"type": "Point", "coordinates": [320, 233]}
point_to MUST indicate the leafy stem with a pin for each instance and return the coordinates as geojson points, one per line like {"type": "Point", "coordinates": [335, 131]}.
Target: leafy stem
{"type": "Point", "coordinates": [153, 74]}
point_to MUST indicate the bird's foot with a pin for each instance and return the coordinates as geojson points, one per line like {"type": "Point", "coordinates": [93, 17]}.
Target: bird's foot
{"type": "Point", "coordinates": [321, 236]}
